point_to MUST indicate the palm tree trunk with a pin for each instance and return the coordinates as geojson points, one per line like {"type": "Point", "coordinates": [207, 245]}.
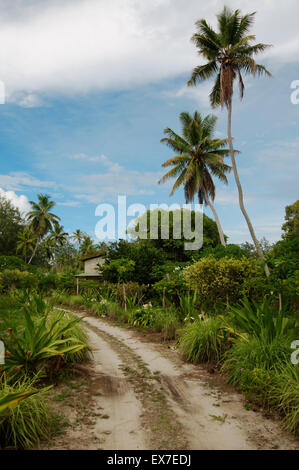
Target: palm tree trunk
{"type": "Point", "coordinates": [240, 191]}
{"type": "Point", "coordinates": [34, 251]}
{"type": "Point", "coordinates": [211, 206]}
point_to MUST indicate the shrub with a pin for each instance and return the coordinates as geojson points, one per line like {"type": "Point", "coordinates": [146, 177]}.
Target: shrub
{"type": "Point", "coordinates": [166, 321]}
{"type": "Point", "coordinates": [263, 371]}
{"type": "Point", "coordinates": [189, 305]}
{"type": "Point", "coordinates": [255, 354]}
{"type": "Point", "coordinates": [285, 396]}
{"type": "Point", "coordinates": [22, 426]}
{"type": "Point", "coordinates": [225, 280]}
{"type": "Point", "coordinates": [42, 338]}
{"type": "Point", "coordinates": [15, 279]}
{"type": "Point", "coordinates": [263, 320]}
{"type": "Point", "coordinates": [12, 262]}
{"type": "Point", "coordinates": [205, 340]}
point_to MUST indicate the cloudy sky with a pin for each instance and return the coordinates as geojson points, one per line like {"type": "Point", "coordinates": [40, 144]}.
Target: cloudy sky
{"type": "Point", "coordinates": [90, 85]}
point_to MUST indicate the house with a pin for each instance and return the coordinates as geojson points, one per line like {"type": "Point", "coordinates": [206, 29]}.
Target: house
{"type": "Point", "coordinates": [92, 267]}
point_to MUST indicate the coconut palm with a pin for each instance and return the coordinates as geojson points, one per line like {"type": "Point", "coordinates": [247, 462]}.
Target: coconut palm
{"type": "Point", "coordinates": [41, 220]}
{"type": "Point", "coordinates": [229, 53]}
{"type": "Point", "coordinates": [57, 238]}
{"type": "Point", "coordinates": [87, 247]}
{"type": "Point", "coordinates": [200, 158]}
{"type": "Point", "coordinates": [26, 242]}
{"type": "Point", "coordinates": [78, 236]}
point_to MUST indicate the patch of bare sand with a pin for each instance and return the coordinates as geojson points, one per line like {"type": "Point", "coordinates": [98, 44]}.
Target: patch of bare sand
{"type": "Point", "coordinates": [211, 417]}
{"type": "Point", "coordinates": [111, 416]}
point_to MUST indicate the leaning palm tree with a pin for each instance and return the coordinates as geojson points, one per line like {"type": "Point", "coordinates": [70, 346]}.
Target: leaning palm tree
{"type": "Point", "coordinates": [41, 220]}
{"type": "Point", "coordinates": [229, 53]}
{"type": "Point", "coordinates": [26, 242]}
{"type": "Point", "coordinates": [200, 158]}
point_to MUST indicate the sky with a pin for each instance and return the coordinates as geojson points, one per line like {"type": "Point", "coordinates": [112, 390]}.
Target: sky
{"type": "Point", "coordinates": [90, 86]}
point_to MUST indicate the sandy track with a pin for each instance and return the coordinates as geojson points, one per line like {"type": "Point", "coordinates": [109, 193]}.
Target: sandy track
{"type": "Point", "coordinates": [155, 400]}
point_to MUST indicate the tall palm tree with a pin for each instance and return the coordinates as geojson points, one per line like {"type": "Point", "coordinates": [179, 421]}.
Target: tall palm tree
{"type": "Point", "coordinates": [41, 220]}
{"type": "Point", "coordinates": [229, 53]}
{"type": "Point", "coordinates": [26, 242]}
{"type": "Point", "coordinates": [57, 237]}
{"type": "Point", "coordinates": [200, 158]}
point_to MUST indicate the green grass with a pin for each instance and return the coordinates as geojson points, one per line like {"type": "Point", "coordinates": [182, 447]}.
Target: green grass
{"type": "Point", "coordinates": [264, 372]}
{"type": "Point", "coordinates": [24, 425]}
{"type": "Point", "coordinates": [166, 321]}
{"type": "Point", "coordinates": [203, 340]}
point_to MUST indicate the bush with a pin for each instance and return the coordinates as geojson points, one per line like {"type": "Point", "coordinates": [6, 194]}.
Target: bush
{"type": "Point", "coordinates": [42, 337]}
{"type": "Point", "coordinates": [285, 396]}
{"type": "Point", "coordinates": [23, 425]}
{"type": "Point", "coordinates": [263, 371]}
{"type": "Point", "coordinates": [246, 357]}
{"type": "Point", "coordinates": [226, 280]}
{"type": "Point", "coordinates": [264, 320]}
{"type": "Point", "coordinates": [205, 340]}
{"type": "Point", "coordinates": [14, 279]}
{"type": "Point", "coordinates": [166, 321]}
{"type": "Point", "coordinates": [12, 262]}
{"type": "Point", "coordinates": [130, 290]}
{"type": "Point", "coordinates": [161, 320]}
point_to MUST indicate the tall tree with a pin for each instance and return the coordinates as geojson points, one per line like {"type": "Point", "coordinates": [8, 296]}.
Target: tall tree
{"type": "Point", "coordinates": [11, 224]}
{"type": "Point", "coordinates": [229, 53]}
{"type": "Point", "coordinates": [57, 238]}
{"type": "Point", "coordinates": [41, 220]}
{"type": "Point", "coordinates": [291, 226]}
{"type": "Point", "coordinates": [88, 248]}
{"type": "Point", "coordinates": [78, 236]}
{"type": "Point", "coordinates": [26, 242]}
{"type": "Point", "coordinates": [200, 159]}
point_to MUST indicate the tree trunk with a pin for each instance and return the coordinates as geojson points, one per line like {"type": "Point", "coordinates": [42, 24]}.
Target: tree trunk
{"type": "Point", "coordinates": [34, 251]}
{"type": "Point", "coordinates": [222, 239]}
{"type": "Point", "coordinates": [240, 191]}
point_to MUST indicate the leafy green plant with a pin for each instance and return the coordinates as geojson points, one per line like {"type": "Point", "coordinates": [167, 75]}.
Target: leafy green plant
{"type": "Point", "coordinates": [285, 396]}
{"type": "Point", "coordinates": [223, 280]}
{"type": "Point", "coordinates": [140, 317]}
{"type": "Point", "coordinates": [166, 321]}
{"type": "Point", "coordinates": [262, 319]}
{"type": "Point", "coordinates": [24, 417]}
{"type": "Point", "coordinates": [188, 305]}
{"type": "Point", "coordinates": [206, 340]}
{"type": "Point", "coordinates": [41, 340]}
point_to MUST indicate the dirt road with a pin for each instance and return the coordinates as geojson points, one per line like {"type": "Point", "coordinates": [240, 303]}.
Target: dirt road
{"type": "Point", "coordinates": [143, 396]}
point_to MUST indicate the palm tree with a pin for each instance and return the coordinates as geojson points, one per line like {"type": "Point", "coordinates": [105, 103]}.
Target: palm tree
{"type": "Point", "coordinates": [200, 157]}
{"type": "Point", "coordinates": [26, 242]}
{"type": "Point", "coordinates": [57, 237]}
{"type": "Point", "coordinates": [87, 246]}
{"type": "Point", "coordinates": [41, 220]}
{"type": "Point", "coordinates": [78, 236]}
{"type": "Point", "coordinates": [229, 54]}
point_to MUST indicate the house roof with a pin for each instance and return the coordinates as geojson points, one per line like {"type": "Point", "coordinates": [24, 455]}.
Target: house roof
{"type": "Point", "coordinates": [92, 257]}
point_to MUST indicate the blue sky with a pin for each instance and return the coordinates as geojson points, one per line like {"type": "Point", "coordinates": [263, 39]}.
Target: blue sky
{"type": "Point", "coordinates": [90, 88]}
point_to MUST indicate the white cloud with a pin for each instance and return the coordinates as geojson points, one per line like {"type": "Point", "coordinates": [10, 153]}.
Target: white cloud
{"type": "Point", "coordinates": [114, 180]}
{"type": "Point", "coordinates": [69, 204]}
{"type": "Point", "coordinates": [73, 46]}
{"type": "Point", "coordinates": [20, 202]}
{"type": "Point", "coordinates": [30, 101]}
{"type": "Point", "coordinates": [196, 94]}
{"type": "Point", "coordinates": [97, 159]}
{"type": "Point", "coordinates": [21, 180]}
